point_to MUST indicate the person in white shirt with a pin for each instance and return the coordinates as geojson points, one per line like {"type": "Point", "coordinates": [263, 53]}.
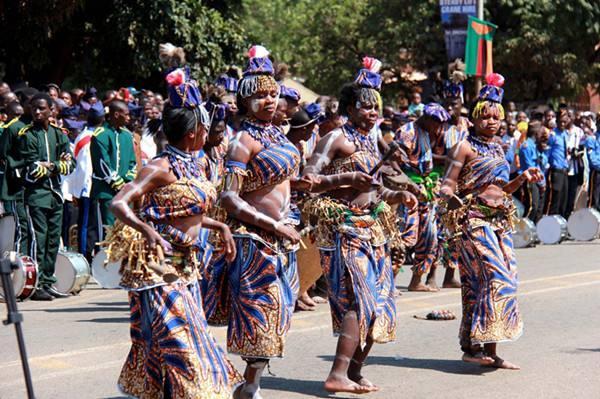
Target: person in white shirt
{"type": "Point", "coordinates": [575, 140]}
{"type": "Point", "coordinates": [80, 183]}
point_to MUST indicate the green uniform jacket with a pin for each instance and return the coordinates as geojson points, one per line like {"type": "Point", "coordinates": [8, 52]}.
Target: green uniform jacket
{"type": "Point", "coordinates": [10, 160]}
{"type": "Point", "coordinates": [113, 161]}
{"type": "Point", "coordinates": [36, 145]}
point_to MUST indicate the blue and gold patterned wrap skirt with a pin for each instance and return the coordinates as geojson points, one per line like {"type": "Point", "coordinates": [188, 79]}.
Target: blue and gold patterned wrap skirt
{"type": "Point", "coordinates": [255, 295]}
{"type": "Point", "coordinates": [488, 271]}
{"type": "Point", "coordinates": [355, 256]}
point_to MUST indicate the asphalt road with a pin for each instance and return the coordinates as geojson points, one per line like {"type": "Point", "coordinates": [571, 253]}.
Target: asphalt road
{"type": "Point", "coordinates": [76, 346]}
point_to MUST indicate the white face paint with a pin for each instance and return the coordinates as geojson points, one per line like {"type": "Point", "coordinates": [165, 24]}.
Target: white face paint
{"type": "Point", "coordinates": [254, 105]}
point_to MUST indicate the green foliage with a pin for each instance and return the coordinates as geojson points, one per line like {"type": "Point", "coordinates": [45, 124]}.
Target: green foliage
{"type": "Point", "coordinates": [546, 48]}
{"type": "Point", "coordinates": [324, 42]}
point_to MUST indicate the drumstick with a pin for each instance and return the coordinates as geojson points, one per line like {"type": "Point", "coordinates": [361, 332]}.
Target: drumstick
{"type": "Point", "coordinates": [392, 148]}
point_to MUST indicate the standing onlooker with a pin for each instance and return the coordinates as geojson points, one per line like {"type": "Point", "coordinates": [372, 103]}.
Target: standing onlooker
{"type": "Point", "coordinates": [528, 157]}
{"type": "Point", "coordinates": [576, 167]}
{"type": "Point", "coordinates": [592, 145]}
{"type": "Point", "coordinates": [558, 157]}
{"type": "Point", "coordinates": [80, 183]}
{"type": "Point", "coordinates": [113, 161]}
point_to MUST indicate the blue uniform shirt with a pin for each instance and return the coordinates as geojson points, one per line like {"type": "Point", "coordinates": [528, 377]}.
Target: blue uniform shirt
{"type": "Point", "coordinates": [592, 145]}
{"type": "Point", "coordinates": [528, 155]}
{"type": "Point", "coordinates": [558, 150]}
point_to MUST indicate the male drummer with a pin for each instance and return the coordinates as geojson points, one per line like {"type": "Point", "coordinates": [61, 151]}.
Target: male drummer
{"type": "Point", "coordinates": [11, 187]}
{"type": "Point", "coordinates": [44, 152]}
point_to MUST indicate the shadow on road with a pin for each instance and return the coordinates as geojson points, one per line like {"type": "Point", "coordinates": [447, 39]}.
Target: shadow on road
{"type": "Point", "coordinates": [442, 365]}
{"type": "Point", "coordinates": [312, 388]}
{"type": "Point", "coordinates": [88, 309]}
{"type": "Point", "coordinates": [106, 320]}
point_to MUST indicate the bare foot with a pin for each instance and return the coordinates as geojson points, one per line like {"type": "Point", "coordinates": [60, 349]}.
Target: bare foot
{"type": "Point", "coordinates": [500, 363]}
{"type": "Point", "coordinates": [362, 381]}
{"type": "Point", "coordinates": [319, 299]}
{"type": "Point", "coordinates": [344, 384]}
{"type": "Point", "coordinates": [478, 358]}
{"type": "Point", "coordinates": [453, 283]}
{"type": "Point", "coordinates": [307, 299]}
{"type": "Point", "coordinates": [432, 284]}
{"type": "Point", "coordinates": [420, 287]}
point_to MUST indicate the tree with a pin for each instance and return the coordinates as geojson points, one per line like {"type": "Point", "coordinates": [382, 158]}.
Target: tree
{"type": "Point", "coordinates": [546, 48]}
{"type": "Point", "coordinates": [115, 43]}
{"type": "Point", "coordinates": [324, 42]}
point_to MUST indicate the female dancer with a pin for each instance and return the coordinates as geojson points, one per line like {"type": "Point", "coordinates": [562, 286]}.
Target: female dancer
{"type": "Point", "coordinates": [172, 354]}
{"type": "Point", "coordinates": [480, 220]}
{"type": "Point", "coordinates": [262, 281]}
{"type": "Point", "coordinates": [355, 231]}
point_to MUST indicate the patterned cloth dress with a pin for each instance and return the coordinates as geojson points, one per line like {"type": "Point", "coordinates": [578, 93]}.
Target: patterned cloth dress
{"type": "Point", "coordinates": [486, 257]}
{"type": "Point", "coordinates": [256, 294]}
{"type": "Point", "coordinates": [354, 244]}
{"type": "Point", "coordinates": [173, 355]}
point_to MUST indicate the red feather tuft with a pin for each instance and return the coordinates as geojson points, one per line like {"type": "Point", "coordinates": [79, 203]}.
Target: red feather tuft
{"type": "Point", "coordinates": [495, 79]}
{"type": "Point", "coordinates": [257, 51]}
{"type": "Point", "coordinates": [372, 64]}
{"type": "Point", "coordinates": [176, 77]}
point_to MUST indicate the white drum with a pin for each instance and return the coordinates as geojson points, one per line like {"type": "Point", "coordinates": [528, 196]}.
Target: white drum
{"type": "Point", "coordinates": [552, 229]}
{"type": "Point", "coordinates": [72, 272]}
{"type": "Point", "coordinates": [108, 275]}
{"type": "Point", "coordinates": [584, 224]}
{"type": "Point", "coordinates": [525, 234]}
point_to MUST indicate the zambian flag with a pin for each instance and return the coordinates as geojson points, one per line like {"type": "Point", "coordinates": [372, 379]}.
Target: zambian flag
{"type": "Point", "coordinates": [478, 51]}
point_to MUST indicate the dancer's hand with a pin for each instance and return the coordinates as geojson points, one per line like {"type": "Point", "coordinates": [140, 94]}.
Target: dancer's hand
{"type": "Point", "coordinates": [153, 239]}
{"type": "Point", "coordinates": [229, 244]}
{"type": "Point", "coordinates": [287, 232]}
{"type": "Point", "coordinates": [409, 200]}
{"type": "Point", "coordinates": [306, 183]}
{"type": "Point", "coordinates": [533, 175]}
{"type": "Point", "coordinates": [361, 181]}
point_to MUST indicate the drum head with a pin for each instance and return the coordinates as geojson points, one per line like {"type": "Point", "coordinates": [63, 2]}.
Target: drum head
{"type": "Point", "coordinates": [584, 225]}
{"type": "Point", "coordinates": [525, 234]}
{"type": "Point", "coordinates": [65, 274]}
{"type": "Point", "coordinates": [550, 229]}
{"type": "Point", "coordinates": [109, 276]}
{"type": "Point", "coordinates": [18, 280]}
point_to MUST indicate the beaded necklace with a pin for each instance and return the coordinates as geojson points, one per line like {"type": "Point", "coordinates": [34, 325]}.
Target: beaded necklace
{"type": "Point", "coordinates": [184, 164]}
{"type": "Point", "coordinates": [362, 142]}
{"type": "Point", "coordinates": [485, 148]}
{"type": "Point", "coordinates": [265, 133]}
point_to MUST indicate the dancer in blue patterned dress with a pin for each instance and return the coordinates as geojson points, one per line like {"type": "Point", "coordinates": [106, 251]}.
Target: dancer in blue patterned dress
{"type": "Point", "coordinates": [172, 354]}
{"type": "Point", "coordinates": [355, 232]}
{"type": "Point", "coordinates": [478, 205]}
{"type": "Point", "coordinates": [261, 169]}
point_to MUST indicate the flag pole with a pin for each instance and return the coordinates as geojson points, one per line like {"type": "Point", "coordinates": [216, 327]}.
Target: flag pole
{"type": "Point", "coordinates": [478, 79]}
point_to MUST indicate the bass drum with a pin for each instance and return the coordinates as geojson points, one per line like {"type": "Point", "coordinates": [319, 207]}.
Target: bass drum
{"type": "Point", "coordinates": [584, 224]}
{"type": "Point", "coordinates": [108, 275]}
{"type": "Point", "coordinates": [552, 229]}
{"type": "Point", "coordinates": [525, 234]}
{"type": "Point", "coordinates": [72, 272]}
{"type": "Point", "coordinates": [24, 278]}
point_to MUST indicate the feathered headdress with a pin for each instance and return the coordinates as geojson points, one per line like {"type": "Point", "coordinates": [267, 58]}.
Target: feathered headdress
{"type": "Point", "coordinates": [258, 75]}
{"type": "Point", "coordinates": [183, 90]}
{"type": "Point", "coordinates": [492, 91]}
{"type": "Point", "coordinates": [368, 76]}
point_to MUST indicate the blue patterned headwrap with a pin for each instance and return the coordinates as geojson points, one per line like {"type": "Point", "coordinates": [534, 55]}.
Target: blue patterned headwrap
{"type": "Point", "coordinates": [228, 83]}
{"type": "Point", "coordinates": [437, 112]}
